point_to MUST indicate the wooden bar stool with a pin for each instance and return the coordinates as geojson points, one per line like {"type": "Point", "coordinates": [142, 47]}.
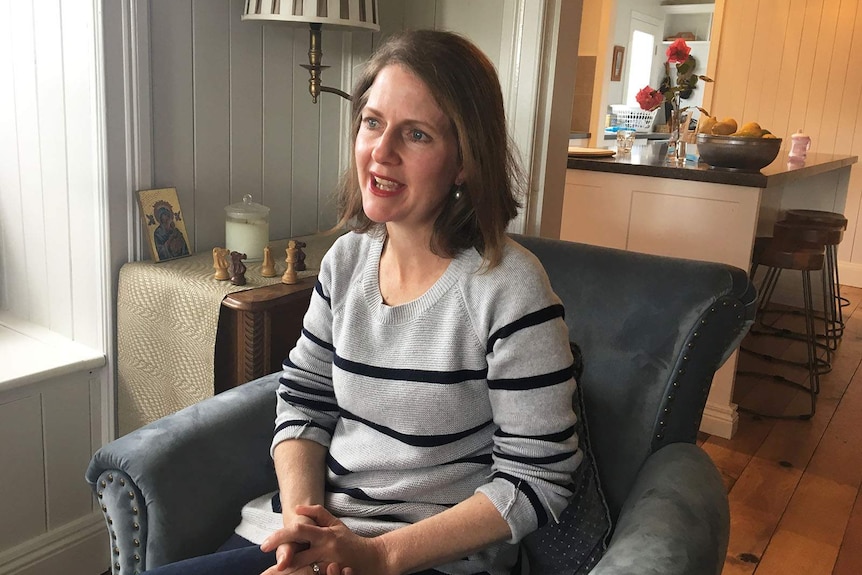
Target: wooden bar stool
{"type": "Point", "coordinates": [832, 219]}
{"type": "Point", "coordinates": [777, 255]}
{"type": "Point", "coordinates": [837, 222]}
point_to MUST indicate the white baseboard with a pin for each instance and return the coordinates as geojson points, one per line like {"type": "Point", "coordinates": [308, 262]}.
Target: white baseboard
{"type": "Point", "coordinates": [720, 420]}
{"type": "Point", "coordinates": [850, 274]}
{"type": "Point", "coordinates": [77, 548]}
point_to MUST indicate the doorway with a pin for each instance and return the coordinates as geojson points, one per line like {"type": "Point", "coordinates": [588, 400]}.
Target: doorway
{"type": "Point", "coordinates": [643, 39]}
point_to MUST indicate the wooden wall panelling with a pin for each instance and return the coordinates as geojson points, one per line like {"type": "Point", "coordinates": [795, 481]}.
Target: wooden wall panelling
{"type": "Point", "coordinates": [839, 61]}
{"type": "Point", "coordinates": [799, 41]}
{"type": "Point", "coordinates": [246, 109]}
{"type": "Point", "coordinates": [48, 36]}
{"type": "Point", "coordinates": [788, 71]}
{"type": "Point", "coordinates": [332, 109]}
{"type": "Point", "coordinates": [34, 275]}
{"type": "Point", "coordinates": [817, 86]}
{"type": "Point", "coordinates": [305, 142]}
{"type": "Point", "coordinates": [66, 421]}
{"type": "Point", "coordinates": [172, 73]}
{"type": "Point", "coordinates": [734, 62]}
{"type": "Point", "coordinates": [278, 94]}
{"type": "Point", "coordinates": [212, 120]}
{"type": "Point", "coordinates": [851, 117]}
{"type": "Point", "coordinates": [766, 65]}
{"type": "Point", "coordinates": [83, 132]}
{"type": "Point", "coordinates": [823, 69]}
{"type": "Point", "coordinates": [11, 226]}
{"type": "Point", "coordinates": [22, 506]}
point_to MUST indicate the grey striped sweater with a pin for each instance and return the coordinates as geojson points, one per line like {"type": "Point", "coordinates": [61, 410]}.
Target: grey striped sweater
{"type": "Point", "coordinates": [466, 389]}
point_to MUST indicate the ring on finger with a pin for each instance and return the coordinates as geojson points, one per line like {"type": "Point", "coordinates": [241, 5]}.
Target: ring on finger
{"type": "Point", "coordinates": [315, 568]}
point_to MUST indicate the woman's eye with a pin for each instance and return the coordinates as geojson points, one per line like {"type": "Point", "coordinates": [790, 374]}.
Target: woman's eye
{"type": "Point", "coordinates": [370, 123]}
{"type": "Point", "coordinates": [418, 136]}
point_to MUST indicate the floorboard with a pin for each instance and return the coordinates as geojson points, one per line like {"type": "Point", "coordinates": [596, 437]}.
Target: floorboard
{"type": "Point", "coordinates": [794, 485]}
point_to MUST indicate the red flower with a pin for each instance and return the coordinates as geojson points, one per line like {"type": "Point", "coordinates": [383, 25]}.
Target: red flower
{"type": "Point", "coordinates": [678, 52]}
{"type": "Point", "coordinates": [649, 98]}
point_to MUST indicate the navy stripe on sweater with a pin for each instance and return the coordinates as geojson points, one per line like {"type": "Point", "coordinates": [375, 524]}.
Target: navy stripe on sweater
{"type": "Point", "coordinates": [334, 466]}
{"type": "Point", "coordinates": [532, 382]}
{"type": "Point", "coordinates": [309, 403]}
{"type": "Point", "coordinates": [417, 440]}
{"type": "Point", "coordinates": [557, 437]}
{"type": "Point", "coordinates": [287, 363]}
{"type": "Point", "coordinates": [295, 386]}
{"type": "Point", "coordinates": [360, 495]}
{"type": "Point", "coordinates": [300, 423]}
{"type": "Point", "coordinates": [413, 375]}
{"type": "Point", "coordinates": [324, 344]}
{"type": "Point", "coordinates": [318, 287]}
{"type": "Point", "coordinates": [556, 458]}
{"type": "Point", "coordinates": [529, 320]}
{"type": "Point", "coordinates": [524, 487]}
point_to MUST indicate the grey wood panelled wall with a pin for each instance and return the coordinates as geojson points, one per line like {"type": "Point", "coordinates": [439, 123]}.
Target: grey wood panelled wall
{"type": "Point", "coordinates": [231, 115]}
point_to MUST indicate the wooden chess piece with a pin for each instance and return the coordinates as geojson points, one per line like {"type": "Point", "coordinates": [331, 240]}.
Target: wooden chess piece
{"type": "Point", "coordinates": [267, 268]}
{"type": "Point", "coordinates": [300, 256]}
{"type": "Point", "coordinates": [290, 276]}
{"type": "Point", "coordinates": [237, 269]}
{"type": "Point", "coordinates": [220, 263]}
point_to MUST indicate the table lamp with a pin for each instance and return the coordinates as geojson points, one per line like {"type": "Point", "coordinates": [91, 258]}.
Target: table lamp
{"type": "Point", "coordinates": [353, 15]}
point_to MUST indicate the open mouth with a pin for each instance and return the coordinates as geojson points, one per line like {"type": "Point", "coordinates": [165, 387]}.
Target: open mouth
{"type": "Point", "coordinates": [384, 187]}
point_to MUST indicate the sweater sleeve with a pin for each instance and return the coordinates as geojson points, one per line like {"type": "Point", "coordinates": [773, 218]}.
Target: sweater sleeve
{"type": "Point", "coordinates": [530, 387]}
{"type": "Point", "coordinates": [306, 406]}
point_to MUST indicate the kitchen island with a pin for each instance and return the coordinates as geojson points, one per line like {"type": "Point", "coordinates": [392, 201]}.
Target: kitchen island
{"type": "Point", "coordinates": [640, 202]}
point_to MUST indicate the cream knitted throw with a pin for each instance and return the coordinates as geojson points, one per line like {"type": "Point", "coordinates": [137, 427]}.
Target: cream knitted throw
{"type": "Point", "coordinates": [167, 318]}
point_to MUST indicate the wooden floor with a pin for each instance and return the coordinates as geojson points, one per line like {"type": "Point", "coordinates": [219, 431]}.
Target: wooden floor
{"type": "Point", "coordinates": [794, 485]}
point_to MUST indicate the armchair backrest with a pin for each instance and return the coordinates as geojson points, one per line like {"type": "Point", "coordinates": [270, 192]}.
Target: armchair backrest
{"type": "Point", "coordinates": [653, 330]}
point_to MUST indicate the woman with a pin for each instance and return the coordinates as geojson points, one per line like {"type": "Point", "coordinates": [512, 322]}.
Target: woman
{"type": "Point", "coordinates": [424, 420]}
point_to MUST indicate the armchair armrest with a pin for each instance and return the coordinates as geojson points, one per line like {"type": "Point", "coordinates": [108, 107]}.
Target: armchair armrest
{"type": "Point", "coordinates": [675, 521]}
{"type": "Point", "coordinates": [174, 488]}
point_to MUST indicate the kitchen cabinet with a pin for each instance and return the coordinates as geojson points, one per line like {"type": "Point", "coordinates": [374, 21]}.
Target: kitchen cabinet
{"type": "Point", "coordinates": [693, 18]}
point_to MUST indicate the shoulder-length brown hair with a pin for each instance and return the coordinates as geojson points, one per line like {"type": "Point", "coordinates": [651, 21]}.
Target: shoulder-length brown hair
{"type": "Point", "coordinates": [465, 85]}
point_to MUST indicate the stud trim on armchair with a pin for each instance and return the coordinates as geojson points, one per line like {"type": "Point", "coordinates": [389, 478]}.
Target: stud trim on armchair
{"type": "Point", "coordinates": [117, 492]}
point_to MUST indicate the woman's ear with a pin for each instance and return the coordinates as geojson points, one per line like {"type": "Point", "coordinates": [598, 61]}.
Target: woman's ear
{"type": "Point", "coordinates": [460, 177]}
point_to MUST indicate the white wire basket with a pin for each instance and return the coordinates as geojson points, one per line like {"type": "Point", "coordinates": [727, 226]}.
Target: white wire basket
{"type": "Point", "coordinates": [634, 118]}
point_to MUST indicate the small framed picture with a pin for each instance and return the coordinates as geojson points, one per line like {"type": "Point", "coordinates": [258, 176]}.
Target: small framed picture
{"type": "Point", "coordinates": [617, 63]}
{"type": "Point", "coordinates": [164, 224]}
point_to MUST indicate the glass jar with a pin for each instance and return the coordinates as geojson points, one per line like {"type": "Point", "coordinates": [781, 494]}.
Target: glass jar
{"type": "Point", "coordinates": [246, 228]}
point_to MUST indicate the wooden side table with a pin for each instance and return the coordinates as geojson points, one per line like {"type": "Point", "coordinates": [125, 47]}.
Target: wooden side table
{"type": "Point", "coordinates": [257, 328]}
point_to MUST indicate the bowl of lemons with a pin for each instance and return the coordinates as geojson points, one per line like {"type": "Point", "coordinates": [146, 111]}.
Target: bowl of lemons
{"type": "Point", "coordinates": [725, 145]}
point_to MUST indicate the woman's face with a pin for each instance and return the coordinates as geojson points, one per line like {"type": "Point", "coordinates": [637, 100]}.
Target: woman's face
{"type": "Point", "coordinates": [406, 152]}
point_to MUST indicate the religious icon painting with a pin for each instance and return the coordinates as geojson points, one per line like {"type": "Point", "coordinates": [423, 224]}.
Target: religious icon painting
{"type": "Point", "coordinates": [164, 224]}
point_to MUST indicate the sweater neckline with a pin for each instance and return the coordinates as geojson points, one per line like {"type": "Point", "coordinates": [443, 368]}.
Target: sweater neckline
{"type": "Point", "coordinates": [408, 311]}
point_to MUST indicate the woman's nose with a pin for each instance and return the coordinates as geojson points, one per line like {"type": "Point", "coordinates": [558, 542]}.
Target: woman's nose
{"type": "Point", "coordinates": [385, 148]}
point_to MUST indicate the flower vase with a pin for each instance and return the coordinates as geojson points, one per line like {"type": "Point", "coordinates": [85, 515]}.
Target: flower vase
{"type": "Point", "coordinates": [676, 144]}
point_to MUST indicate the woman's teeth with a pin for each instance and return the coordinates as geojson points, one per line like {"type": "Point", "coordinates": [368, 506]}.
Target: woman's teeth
{"type": "Point", "coordinates": [386, 185]}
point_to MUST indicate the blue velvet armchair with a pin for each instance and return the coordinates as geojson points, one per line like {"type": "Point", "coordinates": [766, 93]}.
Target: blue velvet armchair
{"type": "Point", "coordinates": [652, 331]}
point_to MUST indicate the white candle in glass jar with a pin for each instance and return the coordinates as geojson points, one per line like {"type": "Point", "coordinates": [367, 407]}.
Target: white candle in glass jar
{"type": "Point", "coordinates": [247, 228]}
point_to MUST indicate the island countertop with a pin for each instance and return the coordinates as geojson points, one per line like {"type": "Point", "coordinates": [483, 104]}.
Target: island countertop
{"type": "Point", "coordinates": [649, 160]}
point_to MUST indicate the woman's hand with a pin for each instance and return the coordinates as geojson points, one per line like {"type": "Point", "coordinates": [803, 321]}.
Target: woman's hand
{"type": "Point", "coordinates": [328, 543]}
{"type": "Point", "coordinates": [286, 546]}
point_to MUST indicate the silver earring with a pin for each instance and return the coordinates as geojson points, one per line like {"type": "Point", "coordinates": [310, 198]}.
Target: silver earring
{"type": "Point", "coordinates": [457, 193]}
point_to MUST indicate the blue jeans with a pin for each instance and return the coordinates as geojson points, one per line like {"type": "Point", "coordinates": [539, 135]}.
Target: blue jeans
{"type": "Point", "coordinates": [237, 556]}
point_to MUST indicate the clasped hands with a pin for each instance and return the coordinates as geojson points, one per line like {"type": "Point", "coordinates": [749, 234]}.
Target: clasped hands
{"type": "Point", "coordinates": [316, 538]}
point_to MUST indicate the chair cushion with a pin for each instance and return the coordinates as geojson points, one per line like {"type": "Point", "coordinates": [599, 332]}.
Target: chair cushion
{"type": "Point", "coordinates": [575, 544]}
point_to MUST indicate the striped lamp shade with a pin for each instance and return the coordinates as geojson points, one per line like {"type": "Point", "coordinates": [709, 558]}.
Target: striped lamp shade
{"type": "Point", "coordinates": [343, 14]}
